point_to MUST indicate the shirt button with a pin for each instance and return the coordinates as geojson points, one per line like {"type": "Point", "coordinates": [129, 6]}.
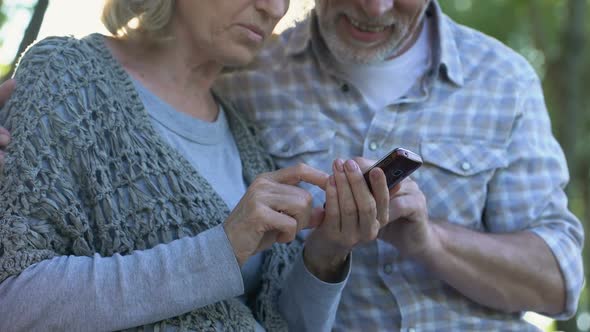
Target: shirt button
{"type": "Point", "coordinates": [373, 146]}
{"type": "Point", "coordinates": [388, 269]}
{"type": "Point", "coordinates": [345, 88]}
{"type": "Point", "coordinates": [465, 166]}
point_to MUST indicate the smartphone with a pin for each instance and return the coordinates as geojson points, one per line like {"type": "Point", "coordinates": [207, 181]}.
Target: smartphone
{"type": "Point", "coordinates": [397, 165]}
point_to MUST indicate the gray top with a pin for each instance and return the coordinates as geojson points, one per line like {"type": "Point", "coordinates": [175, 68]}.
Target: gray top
{"type": "Point", "coordinates": [211, 149]}
{"type": "Point", "coordinates": [208, 146]}
{"type": "Point", "coordinates": [105, 226]}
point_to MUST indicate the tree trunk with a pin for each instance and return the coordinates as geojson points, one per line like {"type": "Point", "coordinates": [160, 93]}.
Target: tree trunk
{"type": "Point", "coordinates": [572, 68]}
{"type": "Point", "coordinates": [31, 33]}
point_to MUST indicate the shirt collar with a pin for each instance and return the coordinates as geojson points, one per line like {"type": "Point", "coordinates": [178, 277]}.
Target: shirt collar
{"type": "Point", "coordinates": [301, 35]}
{"type": "Point", "coordinates": [446, 57]}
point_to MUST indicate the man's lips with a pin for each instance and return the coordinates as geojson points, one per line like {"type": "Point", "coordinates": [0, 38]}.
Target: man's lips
{"type": "Point", "coordinates": [367, 33]}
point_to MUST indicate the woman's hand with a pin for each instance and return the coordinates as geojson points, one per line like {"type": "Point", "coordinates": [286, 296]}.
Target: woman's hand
{"type": "Point", "coordinates": [273, 210]}
{"type": "Point", "coordinates": [6, 90]}
{"type": "Point", "coordinates": [352, 216]}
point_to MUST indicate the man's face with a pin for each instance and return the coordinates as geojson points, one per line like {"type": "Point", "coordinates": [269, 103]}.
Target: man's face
{"type": "Point", "coordinates": [369, 31]}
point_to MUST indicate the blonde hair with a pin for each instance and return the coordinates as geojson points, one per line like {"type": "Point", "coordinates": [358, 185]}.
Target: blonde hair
{"type": "Point", "coordinates": [144, 20]}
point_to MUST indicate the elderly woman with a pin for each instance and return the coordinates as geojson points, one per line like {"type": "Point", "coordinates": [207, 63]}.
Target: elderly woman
{"type": "Point", "coordinates": [122, 173]}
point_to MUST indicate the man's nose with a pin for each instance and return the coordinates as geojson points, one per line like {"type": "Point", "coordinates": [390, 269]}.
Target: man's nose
{"type": "Point", "coordinates": [376, 8]}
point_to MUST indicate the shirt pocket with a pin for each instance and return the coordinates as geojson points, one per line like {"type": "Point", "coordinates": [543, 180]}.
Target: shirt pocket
{"type": "Point", "coordinates": [302, 144]}
{"type": "Point", "coordinates": [455, 177]}
{"type": "Point", "coordinates": [292, 144]}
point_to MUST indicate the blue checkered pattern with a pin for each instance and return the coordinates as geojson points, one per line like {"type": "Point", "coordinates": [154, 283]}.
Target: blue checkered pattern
{"type": "Point", "coordinates": [479, 121]}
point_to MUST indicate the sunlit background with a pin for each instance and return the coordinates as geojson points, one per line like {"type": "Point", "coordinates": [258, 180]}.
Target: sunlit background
{"type": "Point", "coordinates": [81, 17]}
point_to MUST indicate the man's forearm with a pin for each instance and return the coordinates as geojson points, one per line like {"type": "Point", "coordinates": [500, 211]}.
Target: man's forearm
{"type": "Point", "coordinates": [508, 272]}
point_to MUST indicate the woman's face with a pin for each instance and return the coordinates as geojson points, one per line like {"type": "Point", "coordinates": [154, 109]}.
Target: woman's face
{"type": "Point", "coordinates": [229, 31]}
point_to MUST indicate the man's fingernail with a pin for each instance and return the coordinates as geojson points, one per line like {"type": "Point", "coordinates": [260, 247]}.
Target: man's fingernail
{"type": "Point", "coordinates": [374, 174]}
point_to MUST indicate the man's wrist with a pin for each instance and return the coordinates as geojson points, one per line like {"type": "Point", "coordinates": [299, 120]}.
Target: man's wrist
{"type": "Point", "coordinates": [434, 248]}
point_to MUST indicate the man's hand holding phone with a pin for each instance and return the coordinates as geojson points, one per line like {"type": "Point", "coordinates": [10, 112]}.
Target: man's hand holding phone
{"type": "Point", "coordinates": [410, 229]}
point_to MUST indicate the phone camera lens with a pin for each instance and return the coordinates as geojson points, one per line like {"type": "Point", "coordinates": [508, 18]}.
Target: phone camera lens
{"type": "Point", "coordinates": [397, 172]}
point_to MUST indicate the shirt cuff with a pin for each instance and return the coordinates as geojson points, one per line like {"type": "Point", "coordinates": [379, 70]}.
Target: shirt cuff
{"type": "Point", "coordinates": [569, 258]}
{"type": "Point", "coordinates": [309, 280]}
{"type": "Point", "coordinates": [222, 261]}
{"type": "Point", "coordinates": [308, 303]}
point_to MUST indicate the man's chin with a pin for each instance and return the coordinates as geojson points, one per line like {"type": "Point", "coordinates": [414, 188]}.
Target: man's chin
{"type": "Point", "coordinates": [355, 55]}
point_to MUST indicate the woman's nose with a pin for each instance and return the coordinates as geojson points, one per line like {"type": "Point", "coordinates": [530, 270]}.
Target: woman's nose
{"type": "Point", "coordinates": [273, 8]}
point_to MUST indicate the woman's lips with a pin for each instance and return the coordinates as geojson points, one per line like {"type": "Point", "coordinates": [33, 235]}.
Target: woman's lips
{"type": "Point", "coordinates": [254, 32]}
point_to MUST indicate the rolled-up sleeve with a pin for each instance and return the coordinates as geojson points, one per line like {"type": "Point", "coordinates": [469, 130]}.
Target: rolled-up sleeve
{"type": "Point", "coordinates": [529, 194]}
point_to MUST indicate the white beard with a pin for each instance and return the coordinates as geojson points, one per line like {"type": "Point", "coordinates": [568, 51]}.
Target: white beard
{"type": "Point", "coordinates": [345, 52]}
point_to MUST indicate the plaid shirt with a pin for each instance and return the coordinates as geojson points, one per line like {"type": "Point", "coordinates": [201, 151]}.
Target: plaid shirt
{"type": "Point", "coordinates": [479, 121]}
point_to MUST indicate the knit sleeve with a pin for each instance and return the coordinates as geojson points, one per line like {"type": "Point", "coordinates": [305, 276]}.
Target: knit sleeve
{"type": "Point", "coordinates": [42, 215]}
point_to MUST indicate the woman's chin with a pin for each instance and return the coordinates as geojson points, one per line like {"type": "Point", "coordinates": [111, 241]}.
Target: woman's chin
{"type": "Point", "coordinates": [238, 60]}
{"type": "Point", "coordinates": [239, 55]}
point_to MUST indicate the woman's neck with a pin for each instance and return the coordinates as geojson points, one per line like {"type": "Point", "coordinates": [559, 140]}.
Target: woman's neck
{"type": "Point", "coordinates": [175, 71]}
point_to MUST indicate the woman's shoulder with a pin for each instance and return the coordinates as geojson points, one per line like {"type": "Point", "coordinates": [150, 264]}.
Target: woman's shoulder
{"type": "Point", "coordinates": [57, 55]}
{"type": "Point", "coordinates": [51, 74]}
{"type": "Point", "coordinates": [50, 45]}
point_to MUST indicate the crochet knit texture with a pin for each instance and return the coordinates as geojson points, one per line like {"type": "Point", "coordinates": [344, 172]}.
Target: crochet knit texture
{"type": "Point", "coordinates": [95, 177]}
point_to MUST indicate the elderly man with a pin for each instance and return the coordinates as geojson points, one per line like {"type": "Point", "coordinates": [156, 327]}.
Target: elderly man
{"type": "Point", "coordinates": [482, 232]}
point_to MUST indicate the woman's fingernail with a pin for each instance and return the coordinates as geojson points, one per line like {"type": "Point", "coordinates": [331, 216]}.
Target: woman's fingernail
{"type": "Point", "coordinates": [351, 166]}
{"type": "Point", "coordinates": [339, 165]}
{"type": "Point", "coordinates": [332, 180]}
